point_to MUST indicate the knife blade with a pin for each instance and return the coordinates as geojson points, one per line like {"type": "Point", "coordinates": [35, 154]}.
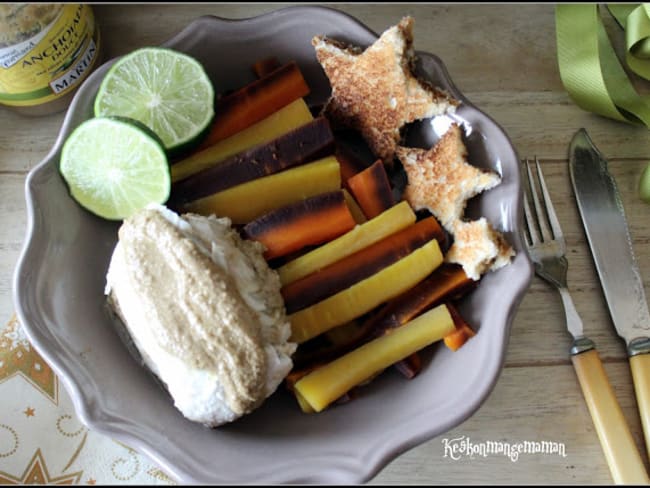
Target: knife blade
{"type": "Point", "coordinates": [603, 217]}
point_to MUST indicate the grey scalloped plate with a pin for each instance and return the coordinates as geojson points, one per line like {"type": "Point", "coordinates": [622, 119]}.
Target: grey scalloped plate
{"type": "Point", "coordinates": [59, 283]}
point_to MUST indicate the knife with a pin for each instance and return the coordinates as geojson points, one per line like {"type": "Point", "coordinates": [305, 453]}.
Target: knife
{"type": "Point", "coordinates": [603, 217]}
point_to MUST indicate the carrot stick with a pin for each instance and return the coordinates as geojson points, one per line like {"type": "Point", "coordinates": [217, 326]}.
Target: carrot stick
{"type": "Point", "coordinates": [392, 220]}
{"type": "Point", "coordinates": [450, 281]}
{"type": "Point", "coordinates": [447, 282]}
{"type": "Point", "coordinates": [255, 101]}
{"type": "Point", "coordinates": [330, 345]}
{"type": "Point", "coordinates": [358, 266]}
{"type": "Point", "coordinates": [296, 374]}
{"type": "Point", "coordinates": [308, 142]}
{"type": "Point", "coordinates": [463, 331]}
{"type": "Point", "coordinates": [356, 211]}
{"type": "Point", "coordinates": [365, 295]}
{"type": "Point", "coordinates": [322, 386]}
{"type": "Point", "coordinates": [350, 163]}
{"type": "Point", "coordinates": [307, 222]}
{"type": "Point", "coordinates": [278, 123]}
{"type": "Point", "coordinates": [242, 203]}
{"type": "Point", "coordinates": [410, 366]}
{"type": "Point", "coordinates": [263, 67]}
{"type": "Point", "coordinates": [372, 189]}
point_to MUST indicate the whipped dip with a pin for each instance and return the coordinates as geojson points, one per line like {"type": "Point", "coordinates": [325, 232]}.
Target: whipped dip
{"type": "Point", "coordinates": [203, 309]}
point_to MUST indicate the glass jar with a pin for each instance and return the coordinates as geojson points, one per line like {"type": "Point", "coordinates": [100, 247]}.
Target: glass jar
{"type": "Point", "coordinates": [46, 51]}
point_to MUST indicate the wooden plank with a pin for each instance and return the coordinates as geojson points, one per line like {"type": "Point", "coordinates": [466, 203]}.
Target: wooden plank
{"type": "Point", "coordinates": [524, 406]}
{"type": "Point", "coordinates": [12, 233]}
{"type": "Point", "coordinates": [543, 123]}
{"type": "Point", "coordinates": [25, 141]}
{"type": "Point", "coordinates": [455, 33]}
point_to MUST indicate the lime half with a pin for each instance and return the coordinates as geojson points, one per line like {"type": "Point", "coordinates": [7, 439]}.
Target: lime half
{"type": "Point", "coordinates": [166, 90]}
{"type": "Point", "coordinates": [114, 168]}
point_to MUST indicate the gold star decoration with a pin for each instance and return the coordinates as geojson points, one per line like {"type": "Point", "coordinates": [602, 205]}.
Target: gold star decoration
{"type": "Point", "coordinates": [36, 473]}
{"type": "Point", "coordinates": [29, 412]}
{"type": "Point", "coordinates": [160, 475]}
{"type": "Point", "coordinates": [375, 91]}
{"type": "Point", "coordinates": [441, 180]}
{"type": "Point", "coordinates": [18, 357]}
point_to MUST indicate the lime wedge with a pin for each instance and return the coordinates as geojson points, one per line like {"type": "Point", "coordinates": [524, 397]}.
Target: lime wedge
{"type": "Point", "coordinates": [166, 90]}
{"type": "Point", "coordinates": [114, 168]}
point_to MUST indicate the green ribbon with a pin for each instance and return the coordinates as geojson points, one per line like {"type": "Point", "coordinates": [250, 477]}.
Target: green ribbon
{"type": "Point", "coordinates": [589, 67]}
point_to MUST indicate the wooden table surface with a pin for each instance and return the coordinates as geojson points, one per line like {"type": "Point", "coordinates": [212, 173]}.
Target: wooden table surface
{"type": "Point", "coordinates": [503, 58]}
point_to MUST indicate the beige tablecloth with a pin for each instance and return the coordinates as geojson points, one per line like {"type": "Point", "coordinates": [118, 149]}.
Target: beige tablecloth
{"type": "Point", "coordinates": [42, 440]}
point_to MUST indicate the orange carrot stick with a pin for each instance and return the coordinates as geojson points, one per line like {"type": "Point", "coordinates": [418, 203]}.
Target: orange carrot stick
{"type": "Point", "coordinates": [255, 101]}
{"type": "Point", "coordinates": [372, 189]}
{"type": "Point", "coordinates": [463, 331]}
{"type": "Point", "coordinates": [263, 67]}
{"type": "Point", "coordinates": [350, 163]}
{"type": "Point", "coordinates": [308, 222]}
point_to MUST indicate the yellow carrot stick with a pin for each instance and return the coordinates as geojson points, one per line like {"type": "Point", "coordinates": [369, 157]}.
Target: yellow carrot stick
{"type": "Point", "coordinates": [247, 201]}
{"type": "Point", "coordinates": [365, 295]}
{"type": "Point", "coordinates": [356, 211]}
{"type": "Point", "coordinates": [304, 404]}
{"type": "Point", "coordinates": [280, 122]}
{"type": "Point", "coordinates": [392, 220]}
{"type": "Point", "coordinates": [326, 384]}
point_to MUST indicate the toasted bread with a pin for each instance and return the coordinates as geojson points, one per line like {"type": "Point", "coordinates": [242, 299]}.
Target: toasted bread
{"type": "Point", "coordinates": [375, 92]}
{"type": "Point", "coordinates": [441, 180]}
{"type": "Point", "coordinates": [478, 248]}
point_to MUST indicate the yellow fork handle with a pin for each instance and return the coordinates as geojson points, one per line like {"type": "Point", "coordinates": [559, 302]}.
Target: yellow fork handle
{"type": "Point", "coordinates": [640, 366]}
{"type": "Point", "coordinates": [621, 452]}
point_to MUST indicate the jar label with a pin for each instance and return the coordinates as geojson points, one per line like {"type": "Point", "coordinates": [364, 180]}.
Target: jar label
{"type": "Point", "coordinates": [53, 62]}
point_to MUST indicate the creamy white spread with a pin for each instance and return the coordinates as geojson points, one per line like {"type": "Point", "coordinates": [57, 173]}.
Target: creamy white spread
{"type": "Point", "coordinates": [204, 310]}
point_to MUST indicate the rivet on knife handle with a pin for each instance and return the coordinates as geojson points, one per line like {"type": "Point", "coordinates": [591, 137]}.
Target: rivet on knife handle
{"type": "Point", "coordinates": [639, 352]}
{"type": "Point", "coordinates": [621, 452]}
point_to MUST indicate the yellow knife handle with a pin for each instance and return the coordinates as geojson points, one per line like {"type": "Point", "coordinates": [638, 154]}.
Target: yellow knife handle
{"type": "Point", "coordinates": [621, 452]}
{"type": "Point", "coordinates": [640, 366]}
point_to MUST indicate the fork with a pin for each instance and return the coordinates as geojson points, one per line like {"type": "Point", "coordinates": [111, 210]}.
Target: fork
{"type": "Point", "coordinates": [547, 249]}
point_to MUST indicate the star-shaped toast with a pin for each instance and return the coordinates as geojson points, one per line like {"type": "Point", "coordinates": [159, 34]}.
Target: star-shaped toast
{"type": "Point", "coordinates": [441, 180]}
{"type": "Point", "coordinates": [478, 248]}
{"type": "Point", "coordinates": [375, 92]}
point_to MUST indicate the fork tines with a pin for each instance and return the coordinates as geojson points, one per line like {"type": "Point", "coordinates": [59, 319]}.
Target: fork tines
{"type": "Point", "coordinates": [542, 224]}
